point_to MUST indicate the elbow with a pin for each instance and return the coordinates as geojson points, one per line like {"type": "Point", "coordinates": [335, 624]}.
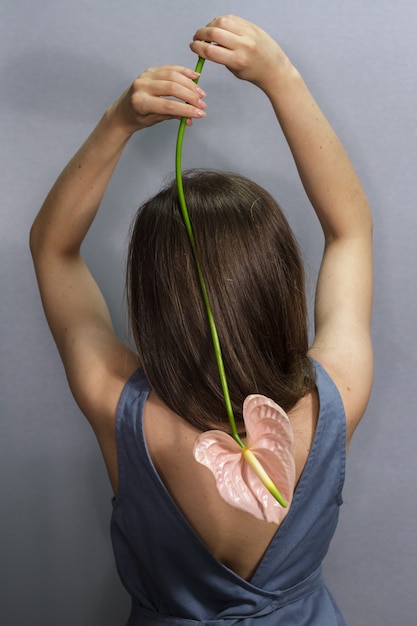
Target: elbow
{"type": "Point", "coordinates": [46, 244]}
{"type": "Point", "coordinates": [39, 241]}
{"type": "Point", "coordinates": [353, 222]}
{"type": "Point", "coordinates": [35, 240]}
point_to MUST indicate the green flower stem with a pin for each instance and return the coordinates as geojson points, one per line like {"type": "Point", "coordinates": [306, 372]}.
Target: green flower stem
{"type": "Point", "coordinates": [248, 454]}
{"type": "Point", "coordinates": [188, 226]}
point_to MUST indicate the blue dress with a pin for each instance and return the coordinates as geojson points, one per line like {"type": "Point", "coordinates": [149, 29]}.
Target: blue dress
{"type": "Point", "coordinates": [173, 578]}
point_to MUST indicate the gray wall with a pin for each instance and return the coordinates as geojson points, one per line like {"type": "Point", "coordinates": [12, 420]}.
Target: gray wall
{"type": "Point", "coordinates": [60, 65]}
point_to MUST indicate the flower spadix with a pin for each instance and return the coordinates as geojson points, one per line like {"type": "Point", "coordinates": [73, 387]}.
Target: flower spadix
{"type": "Point", "coordinates": [247, 477]}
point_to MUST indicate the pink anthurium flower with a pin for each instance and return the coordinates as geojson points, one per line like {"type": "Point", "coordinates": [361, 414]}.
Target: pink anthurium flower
{"type": "Point", "coordinates": [246, 477]}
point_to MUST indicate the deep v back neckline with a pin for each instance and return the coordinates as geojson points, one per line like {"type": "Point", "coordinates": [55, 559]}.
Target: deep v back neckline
{"type": "Point", "coordinates": [185, 522]}
{"type": "Point", "coordinates": [171, 574]}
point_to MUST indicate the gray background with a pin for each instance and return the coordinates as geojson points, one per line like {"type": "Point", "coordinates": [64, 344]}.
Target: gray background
{"type": "Point", "coordinates": [61, 64]}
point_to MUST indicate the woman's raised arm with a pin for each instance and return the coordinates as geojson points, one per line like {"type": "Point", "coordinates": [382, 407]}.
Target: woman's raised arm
{"type": "Point", "coordinates": [96, 363]}
{"type": "Point", "coordinates": [344, 290]}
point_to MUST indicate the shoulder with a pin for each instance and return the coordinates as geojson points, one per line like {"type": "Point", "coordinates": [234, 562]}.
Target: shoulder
{"type": "Point", "coordinates": [112, 403]}
{"type": "Point", "coordinates": [103, 387]}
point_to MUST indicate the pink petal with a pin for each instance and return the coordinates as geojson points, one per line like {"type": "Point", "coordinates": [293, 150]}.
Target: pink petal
{"type": "Point", "coordinates": [270, 437]}
{"type": "Point", "coordinates": [223, 456]}
{"type": "Point", "coordinates": [262, 417]}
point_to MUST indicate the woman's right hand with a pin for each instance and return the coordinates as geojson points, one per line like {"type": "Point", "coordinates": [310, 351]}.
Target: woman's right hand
{"type": "Point", "coordinates": [160, 93]}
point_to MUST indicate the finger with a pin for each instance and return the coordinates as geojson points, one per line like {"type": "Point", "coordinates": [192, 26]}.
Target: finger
{"type": "Point", "coordinates": [169, 82]}
{"type": "Point", "coordinates": [174, 79]}
{"type": "Point", "coordinates": [217, 54]}
{"type": "Point", "coordinates": [166, 97]}
{"type": "Point", "coordinates": [172, 74]}
{"type": "Point", "coordinates": [168, 89]}
{"type": "Point", "coordinates": [232, 23]}
{"type": "Point", "coordinates": [221, 37]}
{"type": "Point", "coordinates": [180, 69]}
{"type": "Point", "coordinates": [168, 108]}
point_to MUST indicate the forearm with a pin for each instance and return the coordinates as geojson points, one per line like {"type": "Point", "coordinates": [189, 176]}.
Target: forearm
{"type": "Point", "coordinates": [325, 170]}
{"type": "Point", "coordinates": [73, 201]}
{"type": "Point", "coordinates": [324, 167]}
{"type": "Point", "coordinates": [161, 93]}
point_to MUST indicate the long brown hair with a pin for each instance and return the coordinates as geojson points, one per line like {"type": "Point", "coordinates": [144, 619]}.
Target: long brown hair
{"type": "Point", "coordinates": [255, 281]}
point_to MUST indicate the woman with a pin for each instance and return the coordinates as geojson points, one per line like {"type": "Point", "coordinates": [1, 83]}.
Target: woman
{"type": "Point", "coordinates": [184, 554]}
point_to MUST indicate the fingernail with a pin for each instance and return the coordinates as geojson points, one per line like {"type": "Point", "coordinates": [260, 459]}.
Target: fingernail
{"type": "Point", "coordinates": [202, 104]}
{"type": "Point", "coordinates": [201, 92]}
{"type": "Point", "coordinates": [200, 113]}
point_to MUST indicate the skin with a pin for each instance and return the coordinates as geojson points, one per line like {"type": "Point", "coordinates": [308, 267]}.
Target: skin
{"type": "Point", "coordinates": [98, 365]}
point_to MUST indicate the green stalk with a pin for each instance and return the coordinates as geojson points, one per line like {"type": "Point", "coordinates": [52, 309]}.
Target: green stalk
{"type": "Point", "coordinates": [248, 455]}
{"type": "Point", "coordinates": [189, 228]}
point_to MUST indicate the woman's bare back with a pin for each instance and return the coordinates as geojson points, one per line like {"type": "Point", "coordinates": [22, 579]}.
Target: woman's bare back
{"type": "Point", "coordinates": [235, 538]}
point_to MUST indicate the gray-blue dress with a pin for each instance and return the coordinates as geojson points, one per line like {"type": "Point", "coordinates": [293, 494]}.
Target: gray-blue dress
{"type": "Point", "coordinates": [172, 577]}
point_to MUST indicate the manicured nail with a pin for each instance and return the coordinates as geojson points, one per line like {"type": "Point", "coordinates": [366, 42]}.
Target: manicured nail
{"type": "Point", "coordinates": [200, 113]}
{"type": "Point", "coordinates": [201, 92]}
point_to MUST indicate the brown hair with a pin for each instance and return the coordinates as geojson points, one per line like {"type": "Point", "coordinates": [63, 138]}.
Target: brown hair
{"type": "Point", "coordinates": [255, 281]}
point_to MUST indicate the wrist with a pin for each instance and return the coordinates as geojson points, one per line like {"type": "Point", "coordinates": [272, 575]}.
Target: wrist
{"type": "Point", "coordinates": [279, 78]}
{"type": "Point", "coordinates": [118, 121]}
